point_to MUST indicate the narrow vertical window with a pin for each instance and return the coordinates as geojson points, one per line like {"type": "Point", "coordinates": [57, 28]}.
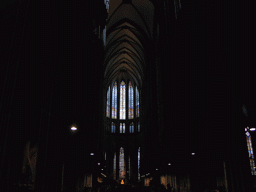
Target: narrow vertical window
{"type": "Point", "coordinates": [114, 168]}
{"type": "Point", "coordinates": [139, 163]}
{"type": "Point", "coordinates": [250, 151]}
{"type": "Point", "coordinates": [121, 163]}
{"type": "Point", "coordinates": [122, 100]}
{"type": "Point", "coordinates": [130, 101]}
{"type": "Point", "coordinates": [138, 126]}
{"type": "Point", "coordinates": [114, 101]}
{"type": "Point", "coordinates": [113, 127]}
{"type": "Point", "coordinates": [108, 103]}
{"type": "Point", "coordinates": [131, 128]}
{"type": "Point", "coordinates": [122, 127]}
{"type": "Point", "coordinates": [137, 102]}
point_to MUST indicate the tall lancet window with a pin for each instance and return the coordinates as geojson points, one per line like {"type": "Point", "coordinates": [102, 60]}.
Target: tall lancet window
{"type": "Point", "coordinates": [121, 163]}
{"type": "Point", "coordinates": [122, 100]}
{"type": "Point", "coordinates": [122, 127]}
{"type": "Point", "coordinates": [130, 101]}
{"type": "Point", "coordinates": [250, 151]}
{"type": "Point", "coordinates": [131, 128]}
{"type": "Point", "coordinates": [139, 163]}
{"type": "Point", "coordinates": [108, 103]}
{"type": "Point", "coordinates": [114, 101]}
{"type": "Point", "coordinates": [138, 126]}
{"type": "Point", "coordinates": [137, 103]}
{"type": "Point", "coordinates": [114, 166]}
{"type": "Point", "coordinates": [113, 127]}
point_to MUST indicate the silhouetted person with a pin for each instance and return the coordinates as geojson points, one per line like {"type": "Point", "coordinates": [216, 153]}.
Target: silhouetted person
{"type": "Point", "coordinates": [169, 188]}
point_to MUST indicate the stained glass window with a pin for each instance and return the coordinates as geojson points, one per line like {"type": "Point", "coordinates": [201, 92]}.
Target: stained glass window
{"type": "Point", "coordinates": [138, 126]}
{"type": "Point", "coordinates": [122, 100]}
{"type": "Point", "coordinates": [139, 163]}
{"type": "Point", "coordinates": [114, 101]}
{"type": "Point", "coordinates": [137, 102]}
{"type": "Point", "coordinates": [121, 163]}
{"type": "Point", "coordinates": [113, 127]}
{"type": "Point", "coordinates": [114, 166]}
{"type": "Point", "coordinates": [130, 111]}
{"type": "Point", "coordinates": [131, 128]}
{"type": "Point", "coordinates": [122, 127]}
{"type": "Point", "coordinates": [250, 151]}
{"type": "Point", "coordinates": [108, 103]}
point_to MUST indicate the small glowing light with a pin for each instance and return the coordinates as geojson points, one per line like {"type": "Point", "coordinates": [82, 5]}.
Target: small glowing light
{"type": "Point", "coordinates": [102, 169]}
{"type": "Point", "coordinates": [122, 182]}
{"type": "Point", "coordinates": [169, 163]}
{"type": "Point", "coordinates": [156, 169]}
{"type": "Point", "coordinates": [98, 163]}
{"type": "Point", "coordinates": [193, 153]}
{"type": "Point", "coordinates": [92, 154]}
{"type": "Point", "coordinates": [252, 129]}
{"type": "Point", "coordinates": [73, 128]}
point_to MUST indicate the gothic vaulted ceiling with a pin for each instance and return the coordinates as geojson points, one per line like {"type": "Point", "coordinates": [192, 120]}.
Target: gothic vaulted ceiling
{"type": "Point", "coordinates": [129, 25]}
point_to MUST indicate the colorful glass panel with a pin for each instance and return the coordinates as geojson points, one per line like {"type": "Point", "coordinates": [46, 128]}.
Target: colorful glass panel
{"type": "Point", "coordinates": [122, 127]}
{"type": "Point", "coordinates": [250, 151]}
{"type": "Point", "coordinates": [114, 101]}
{"type": "Point", "coordinates": [130, 110]}
{"type": "Point", "coordinates": [131, 128]}
{"type": "Point", "coordinates": [137, 103]}
{"type": "Point", "coordinates": [122, 100]}
{"type": "Point", "coordinates": [139, 163]}
{"type": "Point", "coordinates": [121, 163]}
{"type": "Point", "coordinates": [113, 127]}
{"type": "Point", "coordinates": [108, 103]}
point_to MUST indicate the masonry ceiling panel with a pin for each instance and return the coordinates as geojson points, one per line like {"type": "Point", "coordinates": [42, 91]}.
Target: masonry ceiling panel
{"type": "Point", "coordinates": [129, 28]}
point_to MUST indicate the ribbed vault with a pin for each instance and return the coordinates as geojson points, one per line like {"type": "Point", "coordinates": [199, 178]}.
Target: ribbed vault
{"type": "Point", "coordinates": [129, 27]}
